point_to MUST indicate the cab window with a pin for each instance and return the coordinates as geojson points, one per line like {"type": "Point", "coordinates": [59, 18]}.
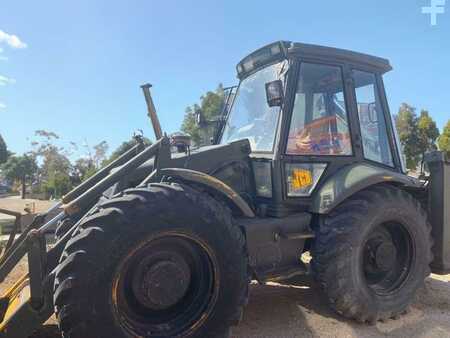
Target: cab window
{"type": "Point", "coordinates": [371, 119]}
{"type": "Point", "coordinates": [319, 124]}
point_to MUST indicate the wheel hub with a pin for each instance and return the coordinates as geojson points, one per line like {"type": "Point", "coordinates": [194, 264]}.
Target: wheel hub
{"type": "Point", "coordinates": [165, 286]}
{"type": "Point", "coordinates": [385, 256]}
{"type": "Point", "coordinates": [162, 282]}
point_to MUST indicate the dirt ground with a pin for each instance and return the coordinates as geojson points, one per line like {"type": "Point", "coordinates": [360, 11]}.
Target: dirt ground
{"type": "Point", "coordinates": [15, 203]}
{"type": "Point", "coordinates": [296, 309]}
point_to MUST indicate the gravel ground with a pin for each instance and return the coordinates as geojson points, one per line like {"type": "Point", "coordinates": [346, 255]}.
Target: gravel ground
{"type": "Point", "coordinates": [296, 309]}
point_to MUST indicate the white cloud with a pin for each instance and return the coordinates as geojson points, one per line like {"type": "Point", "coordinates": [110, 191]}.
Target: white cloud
{"type": "Point", "coordinates": [11, 40]}
{"type": "Point", "coordinates": [4, 80]}
{"type": "Point", "coordinates": [2, 106]}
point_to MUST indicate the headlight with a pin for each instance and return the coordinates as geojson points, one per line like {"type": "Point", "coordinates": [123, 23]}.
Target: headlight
{"type": "Point", "coordinates": [263, 178]}
{"type": "Point", "coordinates": [262, 56]}
{"type": "Point", "coordinates": [302, 178]}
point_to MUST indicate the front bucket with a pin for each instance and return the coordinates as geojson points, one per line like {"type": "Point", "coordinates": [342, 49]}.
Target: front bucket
{"type": "Point", "coordinates": [13, 300]}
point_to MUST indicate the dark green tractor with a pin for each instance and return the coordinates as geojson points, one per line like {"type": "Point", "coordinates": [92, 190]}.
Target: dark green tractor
{"type": "Point", "coordinates": [164, 241]}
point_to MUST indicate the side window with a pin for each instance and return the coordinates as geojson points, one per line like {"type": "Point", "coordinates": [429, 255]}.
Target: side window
{"type": "Point", "coordinates": [372, 119]}
{"type": "Point", "coordinates": [319, 124]}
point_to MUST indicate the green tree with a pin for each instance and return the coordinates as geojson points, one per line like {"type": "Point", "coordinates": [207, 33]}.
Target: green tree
{"type": "Point", "coordinates": [56, 169]}
{"type": "Point", "coordinates": [20, 168]}
{"type": "Point", "coordinates": [87, 165]}
{"type": "Point", "coordinates": [97, 153]}
{"type": "Point", "coordinates": [428, 133]}
{"type": "Point", "coordinates": [3, 151]}
{"type": "Point", "coordinates": [57, 184]}
{"type": "Point", "coordinates": [418, 135]}
{"type": "Point", "coordinates": [211, 105]}
{"type": "Point", "coordinates": [82, 169]}
{"type": "Point", "coordinates": [444, 140]}
{"type": "Point", "coordinates": [406, 124]}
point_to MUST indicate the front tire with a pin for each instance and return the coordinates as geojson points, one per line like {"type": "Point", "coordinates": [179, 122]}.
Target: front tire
{"type": "Point", "coordinates": [161, 261]}
{"type": "Point", "coordinates": [372, 253]}
{"type": "Point", "coordinates": [62, 227]}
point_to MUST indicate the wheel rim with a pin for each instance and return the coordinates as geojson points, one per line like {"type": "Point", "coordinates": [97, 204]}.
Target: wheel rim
{"type": "Point", "coordinates": [165, 287]}
{"type": "Point", "coordinates": [388, 254]}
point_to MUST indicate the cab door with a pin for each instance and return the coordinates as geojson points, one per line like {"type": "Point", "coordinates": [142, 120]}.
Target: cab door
{"type": "Point", "coordinates": [377, 131]}
{"type": "Point", "coordinates": [319, 129]}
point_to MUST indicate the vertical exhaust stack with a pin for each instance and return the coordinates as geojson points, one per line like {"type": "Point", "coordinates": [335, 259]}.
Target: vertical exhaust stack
{"type": "Point", "coordinates": [152, 111]}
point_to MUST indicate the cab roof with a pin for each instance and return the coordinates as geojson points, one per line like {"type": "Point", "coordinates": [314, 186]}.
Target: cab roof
{"type": "Point", "coordinates": [341, 54]}
{"type": "Point", "coordinates": [266, 54]}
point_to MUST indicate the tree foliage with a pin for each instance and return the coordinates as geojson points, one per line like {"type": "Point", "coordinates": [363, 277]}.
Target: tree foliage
{"type": "Point", "coordinates": [418, 134]}
{"type": "Point", "coordinates": [428, 132]}
{"type": "Point", "coordinates": [211, 105]}
{"type": "Point", "coordinates": [444, 140]}
{"type": "Point", "coordinates": [21, 169]}
{"type": "Point", "coordinates": [55, 169]}
{"type": "Point", "coordinates": [406, 124]}
{"type": "Point", "coordinates": [3, 150]}
{"type": "Point", "coordinates": [82, 169]}
{"type": "Point", "coordinates": [98, 153]}
{"type": "Point", "coordinates": [124, 147]}
{"type": "Point", "coordinates": [57, 175]}
{"type": "Point", "coordinates": [54, 173]}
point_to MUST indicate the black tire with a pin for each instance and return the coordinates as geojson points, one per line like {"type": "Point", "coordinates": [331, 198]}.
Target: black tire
{"type": "Point", "coordinates": [62, 227]}
{"type": "Point", "coordinates": [67, 223]}
{"type": "Point", "coordinates": [353, 262]}
{"type": "Point", "coordinates": [92, 297]}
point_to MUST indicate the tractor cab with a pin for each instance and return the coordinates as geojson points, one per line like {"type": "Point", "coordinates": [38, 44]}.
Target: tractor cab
{"type": "Point", "coordinates": [308, 111]}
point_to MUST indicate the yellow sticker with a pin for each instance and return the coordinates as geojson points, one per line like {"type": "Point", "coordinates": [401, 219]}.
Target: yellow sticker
{"type": "Point", "coordinates": [301, 178]}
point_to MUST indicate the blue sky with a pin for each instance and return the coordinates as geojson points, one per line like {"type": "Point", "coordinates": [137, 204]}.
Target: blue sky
{"type": "Point", "coordinates": [74, 67]}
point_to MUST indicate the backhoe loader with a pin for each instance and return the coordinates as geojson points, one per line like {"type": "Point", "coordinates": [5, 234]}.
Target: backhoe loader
{"type": "Point", "coordinates": [164, 241]}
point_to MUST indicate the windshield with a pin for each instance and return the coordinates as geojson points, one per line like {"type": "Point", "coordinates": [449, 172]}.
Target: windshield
{"type": "Point", "coordinates": [250, 116]}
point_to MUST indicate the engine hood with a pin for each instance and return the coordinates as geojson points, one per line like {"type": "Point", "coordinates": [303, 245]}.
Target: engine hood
{"type": "Point", "coordinates": [212, 160]}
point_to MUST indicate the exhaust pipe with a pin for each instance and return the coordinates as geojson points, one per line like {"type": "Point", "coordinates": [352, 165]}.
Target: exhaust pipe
{"type": "Point", "coordinates": [152, 111]}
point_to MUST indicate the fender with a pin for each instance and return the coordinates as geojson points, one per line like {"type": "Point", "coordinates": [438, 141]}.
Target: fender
{"type": "Point", "coordinates": [353, 178]}
{"type": "Point", "coordinates": [212, 183]}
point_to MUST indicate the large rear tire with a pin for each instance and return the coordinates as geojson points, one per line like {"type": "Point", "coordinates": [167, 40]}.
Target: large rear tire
{"type": "Point", "coordinates": [161, 261]}
{"type": "Point", "coordinates": [372, 253]}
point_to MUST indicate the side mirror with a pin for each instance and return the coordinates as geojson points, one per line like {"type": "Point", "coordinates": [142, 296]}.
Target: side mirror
{"type": "Point", "coordinates": [274, 93]}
